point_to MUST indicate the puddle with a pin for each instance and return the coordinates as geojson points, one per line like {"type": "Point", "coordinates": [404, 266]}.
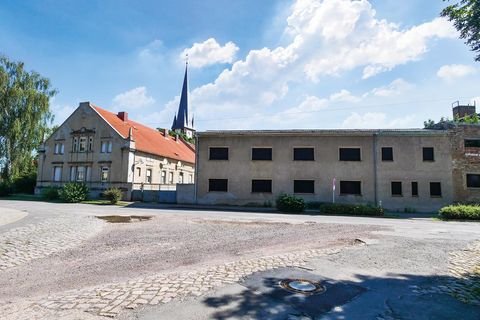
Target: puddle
{"type": "Point", "coordinates": [124, 219]}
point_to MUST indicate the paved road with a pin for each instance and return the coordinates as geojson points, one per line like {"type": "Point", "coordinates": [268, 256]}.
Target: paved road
{"type": "Point", "coordinates": [67, 262]}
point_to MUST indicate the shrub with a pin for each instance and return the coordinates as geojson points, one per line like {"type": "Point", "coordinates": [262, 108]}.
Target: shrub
{"type": "Point", "coordinates": [352, 209]}
{"type": "Point", "coordinates": [113, 195]}
{"type": "Point", "coordinates": [25, 183]}
{"type": "Point", "coordinates": [50, 193]}
{"type": "Point", "coordinates": [74, 192]}
{"type": "Point", "coordinates": [5, 189]}
{"type": "Point", "coordinates": [313, 205]}
{"type": "Point", "coordinates": [461, 212]}
{"type": "Point", "coordinates": [289, 203]}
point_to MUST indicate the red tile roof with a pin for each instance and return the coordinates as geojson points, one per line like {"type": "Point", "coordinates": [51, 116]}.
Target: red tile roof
{"type": "Point", "coordinates": [149, 140]}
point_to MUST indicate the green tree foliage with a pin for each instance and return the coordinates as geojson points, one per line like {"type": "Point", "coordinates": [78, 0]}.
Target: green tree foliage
{"type": "Point", "coordinates": [24, 117]}
{"type": "Point", "coordinates": [465, 15]}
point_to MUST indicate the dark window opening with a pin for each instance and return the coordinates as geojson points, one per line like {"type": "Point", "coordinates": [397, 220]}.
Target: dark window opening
{"type": "Point", "coordinates": [473, 180]}
{"type": "Point", "coordinates": [262, 186]}
{"type": "Point", "coordinates": [472, 143]}
{"type": "Point", "coordinates": [414, 189]}
{"type": "Point", "coordinates": [349, 154]}
{"type": "Point", "coordinates": [218, 153]}
{"type": "Point", "coordinates": [428, 154]}
{"type": "Point", "coordinates": [435, 189]}
{"type": "Point", "coordinates": [303, 154]}
{"type": "Point", "coordinates": [387, 154]}
{"type": "Point", "coordinates": [303, 186]}
{"type": "Point", "coordinates": [261, 153]}
{"type": "Point", "coordinates": [218, 185]}
{"type": "Point", "coordinates": [397, 188]}
{"type": "Point", "coordinates": [350, 187]}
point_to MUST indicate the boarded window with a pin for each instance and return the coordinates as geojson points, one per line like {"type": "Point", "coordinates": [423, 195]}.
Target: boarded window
{"type": "Point", "coordinates": [435, 189]}
{"type": "Point", "coordinates": [414, 189]}
{"type": "Point", "coordinates": [387, 154]}
{"type": "Point", "coordinates": [473, 180]}
{"type": "Point", "coordinates": [304, 186]}
{"type": "Point", "coordinates": [303, 154]}
{"type": "Point", "coordinates": [261, 153]}
{"type": "Point", "coordinates": [472, 143]}
{"type": "Point", "coordinates": [262, 186]}
{"type": "Point", "coordinates": [218, 153]}
{"type": "Point", "coordinates": [220, 185]}
{"type": "Point", "coordinates": [428, 154]}
{"type": "Point", "coordinates": [350, 187]}
{"type": "Point", "coordinates": [396, 188]}
{"type": "Point", "coordinates": [349, 154]}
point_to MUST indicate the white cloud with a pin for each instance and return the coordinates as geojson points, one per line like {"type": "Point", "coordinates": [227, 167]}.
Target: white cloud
{"type": "Point", "coordinates": [455, 71]}
{"type": "Point", "coordinates": [396, 87]}
{"type": "Point", "coordinates": [133, 99]}
{"type": "Point", "coordinates": [152, 52]}
{"type": "Point", "coordinates": [376, 120]}
{"type": "Point", "coordinates": [344, 96]}
{"type": "Point", "coordinates": [209, 52]}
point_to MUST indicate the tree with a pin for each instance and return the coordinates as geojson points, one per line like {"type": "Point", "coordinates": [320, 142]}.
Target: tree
{"type": "Point", "coordinates": [24, 117]}
{"type": "Point", "coordinates": [466, 18]}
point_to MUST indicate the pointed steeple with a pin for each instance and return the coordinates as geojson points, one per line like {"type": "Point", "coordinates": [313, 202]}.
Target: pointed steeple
{"type": "Point", "coordinates": [181, 121]}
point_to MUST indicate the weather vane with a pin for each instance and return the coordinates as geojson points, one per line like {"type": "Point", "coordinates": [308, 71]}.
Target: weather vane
{"type": "Point", "coordinates": [186, 58]}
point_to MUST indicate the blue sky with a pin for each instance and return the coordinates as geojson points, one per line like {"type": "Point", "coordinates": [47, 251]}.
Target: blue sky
{"type": "Point", "coordinates": [253, 64]}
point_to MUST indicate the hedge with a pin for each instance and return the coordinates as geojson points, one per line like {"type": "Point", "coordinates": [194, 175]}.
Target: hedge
{"type": "Point", "coordinates": [74, 192]}
{"type": "Point", "coordinates": [460, 211]}
{"type": "Point", "coordinates": [289, 203]}
{"type": "Point", "coordinates": [351, 209]}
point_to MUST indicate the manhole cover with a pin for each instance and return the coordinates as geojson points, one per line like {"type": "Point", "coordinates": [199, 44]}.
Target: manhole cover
{"type": "Point", "coordinates": [302, 286]}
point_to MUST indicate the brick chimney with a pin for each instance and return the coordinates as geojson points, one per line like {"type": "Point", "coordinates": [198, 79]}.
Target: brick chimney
{"type": "Point", "coordinates": [461, 111]}
{"type": "Point", "coordinates": [123, 116]}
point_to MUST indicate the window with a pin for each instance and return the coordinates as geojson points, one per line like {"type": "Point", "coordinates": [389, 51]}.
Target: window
{"type": "Point", "coordinates": [387, 154]}
{"type": "Point", "coordinates": [170, 177]}
{"type": "Point", "coordinates": [262, 186]}
{"type": "Point", "coordinates": [106, 147]}
{"type": "Point", "coordinates": [428, 154]}
{"type": "Point", "coordinates": [59, 148]}
{"type": "Point", "coordinates": [350, 187]}
{"type": "Point", "coordinates": [90, 144]}
{"type": "Point", "coordinates": [473, 180]}
{"type": "Point", "coordinates": [220, 185]}
{"type": "Point", "coordinates": [139, 171]}
{"type": "Point", "coordinates": [349, 154]}
{"type": "Point", "coordinates": [303, 154]}
{"type": "Point", "coordinates": [190, 178]}
{"type": "Point", "coordinates": [414, 189]}
{"type": "Point", "coordinates": [180, 177]}
{"type": "Point", "coordinates": [472, 143]}
{"type": "Point", "coordinates": [57, 173]}
{"type": "Point", "coordinates": [73, 173]}
{"type": "Point", "coordinates": [435, 189]}
{"type": "Point", "coordinates": [75, 144]}
{"type": "Point", "coordinates": [80, 174]}
{"type": "Point", "coordinates": [163, 179]}
{"type": "Point", "coordinates": [397, 188]}
{"type": "Point", "coordinates": [82, 144]}
{"type": "Point", "coordinates": [148, 176]}
{"type": "Point", "coordinates": [218, 153]}
{"type": "Point", "coordinates": [261, 153]}
{"type": "Point", "coordinates": [104, 174]}
{"type": "Point", "coordinates": [303, 186]}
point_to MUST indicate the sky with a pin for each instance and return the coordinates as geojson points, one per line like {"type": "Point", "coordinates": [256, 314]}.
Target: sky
{"type": "Point", "coordinates": [270, 64]}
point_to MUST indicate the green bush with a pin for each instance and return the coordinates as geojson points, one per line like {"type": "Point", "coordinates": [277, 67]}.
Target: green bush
{"type": "Point", "coordinates": [461, 212]}
{"type": "Point", "coordinates": [50, 193]}
{"type": "Point", "coordinates": [74, 192]}
{"type": "Point", "coordinates": [25, 183]}
{"type": "Point", "coordinates": [351, 209]}
{"type": "Point", "coordinates": [5, 189]}
{"type": "Point", "coordinates": [289, 203]}
{"type": "Point", "coordinates": [113, 195]}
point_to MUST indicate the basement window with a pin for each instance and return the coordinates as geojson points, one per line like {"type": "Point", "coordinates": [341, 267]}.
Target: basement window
{"type": "Point", "coordinates": [349, 154]}
{"type": "Point", "coordinates": [473, 180]}
{"type": "Point", "coordinates": [219, 185]}
{"type": "Point", "coordinates": [414, 189]}
{"type": "Point", "coordinates": [218, 153]}
{"type": "Point", "coordinates": [303, 186]}
{"type": "Point", "coordinates": [351, 188]}
{"type": "Point", "coordinates": [262, 186]}
{"type": "Point", "coordinates": [435, 189]}
{"type": "Point", "coordinates": [397, 189]}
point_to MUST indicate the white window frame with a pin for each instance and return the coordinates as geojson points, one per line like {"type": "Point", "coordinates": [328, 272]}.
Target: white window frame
{"type": "Point", "coordinates": [81, 174]}
{"type": "Point", "coordinates": [82, 144]}
{"type": "Point", "coordinates": [104, 174]}
{"type": "Point", "coordinates": [148, 176]}
{"type": "Point", "coordinates": [57, 173]}
{"type": "Point", "coordinates": [163, 177]}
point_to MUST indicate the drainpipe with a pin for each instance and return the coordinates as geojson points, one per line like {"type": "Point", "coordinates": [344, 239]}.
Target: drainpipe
{"type": "Point", "coordinates": [195, 187]}
{"type": "Point", "coordinates": [375, 136]}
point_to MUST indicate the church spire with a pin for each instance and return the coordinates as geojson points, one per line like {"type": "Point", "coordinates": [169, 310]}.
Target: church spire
{"type": "Point", "coordinates": [181, 121]}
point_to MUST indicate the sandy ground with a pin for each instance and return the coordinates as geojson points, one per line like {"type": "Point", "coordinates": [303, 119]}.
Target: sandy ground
{"type": "Point", "coordinates": [167, 244]}
{"type": "Point", "coordinates": [8, 215]}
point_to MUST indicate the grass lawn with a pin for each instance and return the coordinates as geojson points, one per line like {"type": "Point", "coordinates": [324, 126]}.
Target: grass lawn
{"type": "Point", "coordinates": [102, 202]}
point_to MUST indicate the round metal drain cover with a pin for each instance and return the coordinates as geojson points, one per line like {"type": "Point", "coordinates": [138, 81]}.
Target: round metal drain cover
{"type": "Point", "coordinates": [302, 286]}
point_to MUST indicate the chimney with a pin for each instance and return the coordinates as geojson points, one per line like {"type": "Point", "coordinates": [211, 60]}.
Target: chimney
{"type": "Point", "coordinates": [123, 116]}
{"type": "Point", "coordinates": [462, 111]}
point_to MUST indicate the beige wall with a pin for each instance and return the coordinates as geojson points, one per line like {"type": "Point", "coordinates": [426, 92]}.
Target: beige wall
{"type": "Point", "coordinates": [122, 161]}
{"type": "Point", "coordinates": [407, 166]}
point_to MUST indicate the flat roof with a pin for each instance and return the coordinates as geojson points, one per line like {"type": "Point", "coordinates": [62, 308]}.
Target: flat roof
{"type": "Point", "coordinates": [325, 132]}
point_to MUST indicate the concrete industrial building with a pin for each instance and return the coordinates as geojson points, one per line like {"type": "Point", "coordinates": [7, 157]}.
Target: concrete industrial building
{"type": "Point", "coordinates": [416, 169]}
